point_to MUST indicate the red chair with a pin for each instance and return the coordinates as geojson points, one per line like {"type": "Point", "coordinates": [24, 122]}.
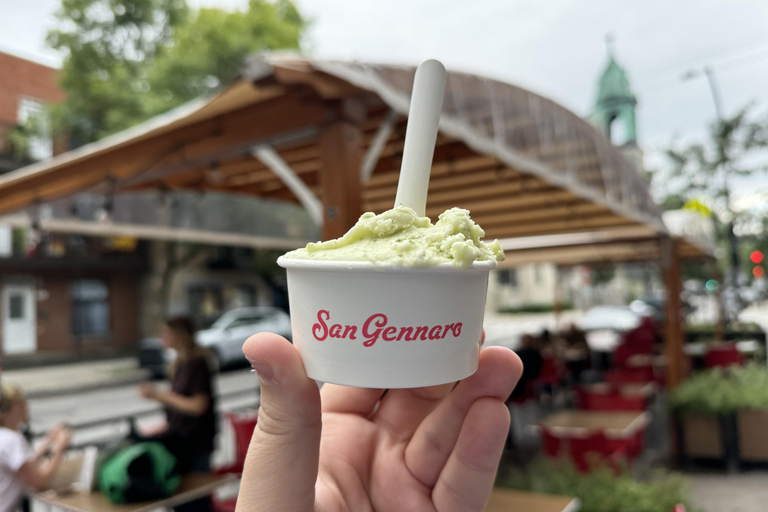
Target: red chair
{"type": "Point", "coordinates": [613, 401]}
{"type": "Point", "coordinates": [550, 444]}
{"type": "Point", "coordinates": [595, 448]}
{"type": "Point", "coordinates": [551, 375]}
{"type": "Point", "coordinates": [723, 356]}
{"type": "Point", "coordinates": [582, 451]}
{"type": "Point", "coordinates": [634, 375]}
{"type": "Point", "coordinates": [243, 427]}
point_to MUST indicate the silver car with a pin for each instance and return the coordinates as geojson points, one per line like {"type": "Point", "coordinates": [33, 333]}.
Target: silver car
{"type": "Point", "coordinates": [224, 338]}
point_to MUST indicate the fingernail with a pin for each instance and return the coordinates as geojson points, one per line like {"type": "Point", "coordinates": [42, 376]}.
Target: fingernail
{"type": "Point", "coordinates": [264, 371]}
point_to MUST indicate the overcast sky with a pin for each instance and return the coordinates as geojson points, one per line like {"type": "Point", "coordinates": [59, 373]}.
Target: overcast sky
{"type": "Point", "coordinates": [554, 47]}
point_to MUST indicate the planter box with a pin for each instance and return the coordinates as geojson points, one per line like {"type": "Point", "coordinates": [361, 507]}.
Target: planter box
{"type": "Point", "coordinates": [702, 436]}
{"type": "Point", "coordinates": [752, 430]}
{"type": "Point", "coordinates": [706, 439]}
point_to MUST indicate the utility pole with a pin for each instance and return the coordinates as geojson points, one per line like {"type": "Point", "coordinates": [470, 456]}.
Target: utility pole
{"type": "Point", "coordinates": [733, 252]}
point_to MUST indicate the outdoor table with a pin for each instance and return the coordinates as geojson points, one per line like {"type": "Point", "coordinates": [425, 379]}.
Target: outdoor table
{"type": "Point", "coordinates": [193, 486]}
{"type": "Point", "coordinates": [615, 425]}
{"type": "Point", "coordinates": [507, 500]}
{"type": "Point", "coordinates": [638, 360]}
{"type": "Point", "coordinates": [698, 349]}
{"type": "Point", "coordinates": [645, 389]}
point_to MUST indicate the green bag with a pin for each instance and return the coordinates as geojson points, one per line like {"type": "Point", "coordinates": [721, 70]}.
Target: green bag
{"type": "Point", "coordinates": [141, 472]}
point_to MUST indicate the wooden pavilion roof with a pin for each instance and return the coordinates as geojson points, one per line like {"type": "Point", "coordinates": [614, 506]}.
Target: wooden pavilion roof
{"type": "Point", "coordinates": [522, 164]}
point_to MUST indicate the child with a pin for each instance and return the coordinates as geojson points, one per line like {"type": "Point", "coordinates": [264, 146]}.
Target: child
{"type": "Point", "coordinates": [20, 467]}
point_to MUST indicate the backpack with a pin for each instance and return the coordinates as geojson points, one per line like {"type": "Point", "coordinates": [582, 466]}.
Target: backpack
{"type": "Point", "coordinates": [141, 472]}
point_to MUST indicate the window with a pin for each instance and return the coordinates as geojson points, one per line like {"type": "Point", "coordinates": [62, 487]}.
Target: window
{"type": "Point", "coordinates": [244, 296]}
{"type": "Point", "coordinates": [247, 320]}
{"type": "Point", "coordinates": [16, 307]}
{"type": "Point", "coordinates": [90, 307]}
{"type": "Point", "coordinates": [41, 144]}
{"type": "Point", "coordinates": [206, 303]}
{"type": "Point", "coordinates": [508, 276]}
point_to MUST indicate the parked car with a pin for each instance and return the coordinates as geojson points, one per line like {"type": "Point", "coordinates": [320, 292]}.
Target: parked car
{"type": "Point", "coordinates": [224, 338]}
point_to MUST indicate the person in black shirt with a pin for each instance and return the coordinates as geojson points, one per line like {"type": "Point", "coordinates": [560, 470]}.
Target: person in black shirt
{"type": "Point", "coordinates": [189, 404]}
{"type": "Point", "coordinates": [530, 354]}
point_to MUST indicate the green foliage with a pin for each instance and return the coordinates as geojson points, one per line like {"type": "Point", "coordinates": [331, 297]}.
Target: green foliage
{"type": "Point", "coordinates": [127, 60]}
{"type": "Point", "coordinates": [703, 167]}
{"type": "Point", "coordinates": [704, 170]}
{"type": "Point", "coordinates": [603, 273]}
{"type": "Point", "coordinates": [536, 307]}
{"type": "Point", "coordinates": [22, 135]}
{"type": "Point", "coordinates": [600, 490]}
{"type": "Point", "coordinates": [208, 50]}
{"type": "Point", "coordinates": [723, 391]}
{"type": "Point", "coordinates": [673, 202]}
{"type": "Point", "coordinates": [19, 240]}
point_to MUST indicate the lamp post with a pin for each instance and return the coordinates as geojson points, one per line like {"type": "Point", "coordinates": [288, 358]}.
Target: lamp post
{"type": "Point", "coordinates": [733, 252]}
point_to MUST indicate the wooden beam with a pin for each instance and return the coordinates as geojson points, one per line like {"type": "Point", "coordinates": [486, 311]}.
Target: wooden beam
{"type": "Point", "coordinates": [557, 226]}
{"type": "Point", "coordinates": [153, 232]}
{"type": "Point", "coordinates": [341, 155]}
{"type": "Point", "coordinates": [673, 320]}
{"type": "Point", "coordinates": [551, 195]}
{"type": "Point", "coordinates": [455, 197]}
{"type": "Point", "coordinates": [623, 252]}
{"type": "Point", "coordinates": [177, 147]}
{"type": "Point", "coordinates": [567, 210]}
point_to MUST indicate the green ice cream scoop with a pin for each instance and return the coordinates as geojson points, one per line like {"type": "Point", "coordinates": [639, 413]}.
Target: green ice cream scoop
{"type": "Point", "coordinates": [399, 237]}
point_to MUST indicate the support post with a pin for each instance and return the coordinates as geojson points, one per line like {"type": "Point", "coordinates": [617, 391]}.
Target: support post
{"type": "Point", "coordinates": [673, 328]}
{"type": "Point", "coordinates": [340, 157]}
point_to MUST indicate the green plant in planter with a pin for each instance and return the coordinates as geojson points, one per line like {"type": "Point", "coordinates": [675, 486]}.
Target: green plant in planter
{"type": "Point", "coordinates": [601, 490]}
{"type": "Point", "coordinates": [723, 391]}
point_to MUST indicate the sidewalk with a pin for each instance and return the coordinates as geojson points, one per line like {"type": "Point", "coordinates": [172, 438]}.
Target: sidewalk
{"type": "Point", "coordinates": [76, 377]}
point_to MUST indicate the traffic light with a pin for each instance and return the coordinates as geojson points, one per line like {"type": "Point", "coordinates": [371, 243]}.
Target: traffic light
{"type": "Point", "coordinates": [712, 285]}
{"type": "Point", "coordinates": [756, 257]}
{"type": "Point", "coordinates": [758, 272]}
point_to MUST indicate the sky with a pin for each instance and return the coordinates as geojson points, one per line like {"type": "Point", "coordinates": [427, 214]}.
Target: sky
{"type": "Point", "coordinates": [555, 48]}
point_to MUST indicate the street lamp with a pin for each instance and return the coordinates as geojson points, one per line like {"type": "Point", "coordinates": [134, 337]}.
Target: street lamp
{"type": "Point", "coordinates": [733, 255]}
{"type": "Point", "coordinates": [713, 87]}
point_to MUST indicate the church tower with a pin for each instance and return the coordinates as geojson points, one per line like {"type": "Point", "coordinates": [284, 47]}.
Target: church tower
{"type": "Point", "coordinates": [614, 110]}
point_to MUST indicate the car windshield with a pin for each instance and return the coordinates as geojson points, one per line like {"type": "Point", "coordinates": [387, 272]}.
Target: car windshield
{"type": "Point", "coordinates": [231, 319]}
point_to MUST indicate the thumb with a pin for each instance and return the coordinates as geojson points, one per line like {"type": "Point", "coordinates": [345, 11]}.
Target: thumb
{"type": "Point", "coordinates": [282, 463]}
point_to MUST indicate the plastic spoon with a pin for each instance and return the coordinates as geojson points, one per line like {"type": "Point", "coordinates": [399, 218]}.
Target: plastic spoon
{"type": "Point", "coordinates": [420, 135]}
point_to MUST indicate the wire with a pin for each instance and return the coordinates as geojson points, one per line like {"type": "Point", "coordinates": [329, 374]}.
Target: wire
{"type": "Point", "coordinates": [708, 56]}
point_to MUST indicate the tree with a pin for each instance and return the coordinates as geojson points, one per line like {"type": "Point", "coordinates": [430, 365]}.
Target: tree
{"type": "Point", "coordinates": [128, 60]}
{"type": "Point", "coordinates": [209, 48]}
{"type": "Point", "coordinates": [107, 46]}
{"type": "Point", "coordinates": [706, 169]}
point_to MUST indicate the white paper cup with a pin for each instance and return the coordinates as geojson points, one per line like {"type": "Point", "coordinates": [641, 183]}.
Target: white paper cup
{"type": "Point", "coordinates": [361, 325]}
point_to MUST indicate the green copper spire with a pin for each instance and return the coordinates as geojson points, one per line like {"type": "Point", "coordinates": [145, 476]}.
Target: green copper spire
{"type": "Point", "coordinates": [615, 102]}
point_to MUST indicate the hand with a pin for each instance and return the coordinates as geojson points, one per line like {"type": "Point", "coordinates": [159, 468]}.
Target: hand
{"type": "Point", "coordinates": [344, 449]}
{"type": "Point", "coordinates": [147, 391]}
{"type": "Point", "coordinates": [62, 439]}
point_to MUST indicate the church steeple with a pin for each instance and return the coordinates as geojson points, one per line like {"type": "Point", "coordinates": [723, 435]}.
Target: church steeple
{"type": "Point", "coordinates": [614, 109]}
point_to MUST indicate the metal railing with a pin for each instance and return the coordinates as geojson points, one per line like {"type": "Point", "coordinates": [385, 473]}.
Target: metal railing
{"type": "Point", "coordinates": [130, 420]}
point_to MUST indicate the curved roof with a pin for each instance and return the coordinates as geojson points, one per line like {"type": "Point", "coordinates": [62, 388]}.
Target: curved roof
{"type": "Point", "coordinates": [522, 164]}
{"type": "Point", "coordinates": [523, 129]}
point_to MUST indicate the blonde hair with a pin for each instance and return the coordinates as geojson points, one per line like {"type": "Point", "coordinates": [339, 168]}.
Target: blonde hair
{"type": "Point", "coordinates": [9, 395]}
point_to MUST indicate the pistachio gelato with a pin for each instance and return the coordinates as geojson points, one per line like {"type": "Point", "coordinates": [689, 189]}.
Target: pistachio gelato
{"type": "Point", "coordinates": [400, 237]}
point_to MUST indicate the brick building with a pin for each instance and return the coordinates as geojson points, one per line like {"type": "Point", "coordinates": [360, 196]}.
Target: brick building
{"type": "Point", "coordinates": [25, 88]}
{"type": "Point", "coordinates": [58, 293]}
